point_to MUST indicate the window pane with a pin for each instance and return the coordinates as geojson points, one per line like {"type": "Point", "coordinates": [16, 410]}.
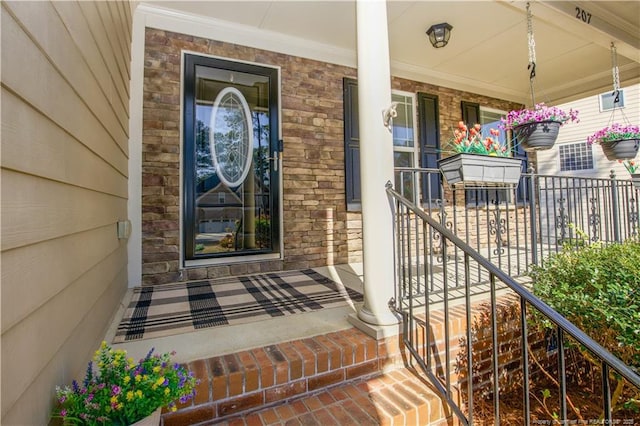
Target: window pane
{"type": "Point", "coordinates": [491, 120]}
{"type": "Point", "coordinates": [403, 123]}
{"type": "Point", "coordinates": [576, 156]}
{"type": "Point", "coordinates": [403, 182]}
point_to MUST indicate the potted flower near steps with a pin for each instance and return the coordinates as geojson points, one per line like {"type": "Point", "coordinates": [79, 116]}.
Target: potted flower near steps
{"type": "Point", "coordinates": [118, 391]}
{"type": "Point", "coordinates": [634, 170]}
{"type": "Point", "coordinates": [618, 142]}
{"type": "Point", "coordinates": [537, 129]}
{"type": "Point", "coordinates": [478, 160]}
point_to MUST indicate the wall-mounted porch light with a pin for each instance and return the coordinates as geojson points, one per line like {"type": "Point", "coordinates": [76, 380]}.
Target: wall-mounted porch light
{"type": "Point", "coordinates": [439, 34]}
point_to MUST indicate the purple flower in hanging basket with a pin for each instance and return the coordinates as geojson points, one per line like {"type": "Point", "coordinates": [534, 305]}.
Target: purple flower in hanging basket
{"type": "Point", "coordinates": [540, 112]}
{"type": "Point", "coordinates": [615, 132]}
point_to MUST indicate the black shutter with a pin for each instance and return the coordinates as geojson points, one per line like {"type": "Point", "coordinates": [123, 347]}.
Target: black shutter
{"type": "Point", "coordinates": [351, 145]}
{"type": "Point", "coordinates": [470, 113]}
{"type": "Point", "coordinates": [522, 192]}
{"type": "Point", "coordinates": [471, 116]}
{"type": "Point", "coordinates": [429, 145]}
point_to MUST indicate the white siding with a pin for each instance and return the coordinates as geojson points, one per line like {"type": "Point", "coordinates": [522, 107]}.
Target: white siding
{"type": "Point", "coordinates": [65, 120]}
{"type": "Point", "coordinates": [592, 120]}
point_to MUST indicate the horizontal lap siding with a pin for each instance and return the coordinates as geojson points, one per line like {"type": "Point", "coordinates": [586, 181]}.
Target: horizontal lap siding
{"type": "Point", "coordinates": [592, 120]}
{"type": "Point", "coordinates": [65, 124]}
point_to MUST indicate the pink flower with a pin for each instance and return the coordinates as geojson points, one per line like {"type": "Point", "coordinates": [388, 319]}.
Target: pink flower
{"type": "Point", "coordinates": [615, 132]}
{"type": "Point", "coordinates": [540, 112]}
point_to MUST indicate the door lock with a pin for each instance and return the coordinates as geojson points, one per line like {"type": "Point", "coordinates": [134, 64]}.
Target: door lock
{"type": "Point", "coordinates": [275, 160]}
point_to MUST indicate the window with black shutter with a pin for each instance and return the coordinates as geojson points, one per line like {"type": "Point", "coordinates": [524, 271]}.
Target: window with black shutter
{"type": "Point", "coordinates": [409, 152]}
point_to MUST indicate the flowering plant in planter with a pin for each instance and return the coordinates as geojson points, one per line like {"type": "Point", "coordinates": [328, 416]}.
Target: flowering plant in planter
{"type": "Point", "coordinates": [615, 132]}
{"type": "Point", "coordinates": [631, 166]}
{"type": "Point", "coordinates": [471, 141]}
{"type": "Point", "coordinates": [118, 391]}
{"type": "Point", "coordinates": [539, 113]}
{"type": "Point", "coordinates": [634, 170]}
{"type": "Point", "coordinates": [470, 164]}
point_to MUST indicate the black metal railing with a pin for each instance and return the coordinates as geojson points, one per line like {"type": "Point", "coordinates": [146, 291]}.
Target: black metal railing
{"type": "Point", "coordinates": [464, 362]}
{"type": "Point", "coordinates": [516, 227]}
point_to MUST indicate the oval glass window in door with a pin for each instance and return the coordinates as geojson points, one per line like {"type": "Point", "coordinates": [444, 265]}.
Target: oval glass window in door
{"type": "Point", "coordinates": [231, 137]}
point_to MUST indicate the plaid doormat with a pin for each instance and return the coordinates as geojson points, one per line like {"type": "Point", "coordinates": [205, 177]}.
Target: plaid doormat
{"type": "Point", "coordinates": [157, 311]}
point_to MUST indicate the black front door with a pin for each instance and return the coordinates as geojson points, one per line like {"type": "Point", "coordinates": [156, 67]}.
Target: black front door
{"type": "Point", "coordinates": [230, 177]}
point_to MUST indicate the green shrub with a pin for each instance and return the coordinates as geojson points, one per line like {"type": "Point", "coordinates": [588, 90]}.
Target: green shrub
{"type": "Point", "coordinates": [597, 288]}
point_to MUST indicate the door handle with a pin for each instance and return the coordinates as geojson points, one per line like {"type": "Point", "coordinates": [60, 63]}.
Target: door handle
{"type": "Point", "coordinates": [275, 160]}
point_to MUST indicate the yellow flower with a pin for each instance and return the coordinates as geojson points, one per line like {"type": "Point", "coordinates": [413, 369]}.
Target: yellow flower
{"type": "Point", "coordinates": [154, 387]}
{"type": "Point", "coordinates": [130, 395]}
{"type": "Point", "coordinates": [126, 379]}
{"type": "Point", "coordinates": [103, 345]}
{"type": "Point", "coordinates": [156, 368]}
{"type": "Point", "coordinates": [166, 391]}
{"type": "Point", "coordinates": [114, 399]}
{"type": "Point", "coordinates": [160, 380]}
{"type": "Point", "coordinates": [120, 405]}
{"type": "Point", "coordinates": [138, 378]}
{"type": "Point", "coordinates": [174, 408]}
{"type": "Point", "coordinates": [139, 393]}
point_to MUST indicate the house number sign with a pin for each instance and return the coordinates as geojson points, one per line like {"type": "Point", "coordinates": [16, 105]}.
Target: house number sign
{"type": "Point", "coordinates": [583, 15]}
{"type": "Point", "coordinates": [231, 137]}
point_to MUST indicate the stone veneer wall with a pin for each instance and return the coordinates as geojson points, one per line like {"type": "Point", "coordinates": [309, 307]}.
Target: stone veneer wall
{"type": "Point", "coordinates": [317, 228]}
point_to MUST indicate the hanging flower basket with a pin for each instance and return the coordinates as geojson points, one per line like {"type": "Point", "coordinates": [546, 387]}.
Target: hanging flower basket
{"type": "Point", "coordinates": [623, 149]}
{"type": "Point", "coordinates": [537, 129]}
{"type": "Point", "coordinates": [537, 136]}
{"type": "Point", "coordinates": [618, 142]}
{"type": "Point", "coordinates": [480, 170]}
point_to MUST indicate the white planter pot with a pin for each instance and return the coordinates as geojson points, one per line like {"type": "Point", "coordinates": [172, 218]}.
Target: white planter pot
{"type": "Point", "coordinates": [152, 419]}
{"type": "Point", "coordinates": [480, 170]}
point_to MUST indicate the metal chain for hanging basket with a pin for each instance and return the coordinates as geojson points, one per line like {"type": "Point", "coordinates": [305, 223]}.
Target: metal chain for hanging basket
{"type": "Point", "coordinates": [616, 74]}
{"type": "Point", "coordinates": [616, 87]}
{"type": "Point", "coordinates": [532, 51]}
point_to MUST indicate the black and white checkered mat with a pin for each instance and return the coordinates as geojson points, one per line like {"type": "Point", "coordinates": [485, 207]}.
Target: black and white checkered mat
{"type": "Point", "coordinates": [163, 310]}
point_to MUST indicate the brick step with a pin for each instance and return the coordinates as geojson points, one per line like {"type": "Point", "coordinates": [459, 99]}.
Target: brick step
{"type": "Point", "coordinates": [326, 367]}
{"type": "Point", "coordinates": [399, 397]}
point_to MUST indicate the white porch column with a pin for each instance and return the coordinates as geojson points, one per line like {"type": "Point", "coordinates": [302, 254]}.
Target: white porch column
{"type": "Point", "coordinates": [376, 164]}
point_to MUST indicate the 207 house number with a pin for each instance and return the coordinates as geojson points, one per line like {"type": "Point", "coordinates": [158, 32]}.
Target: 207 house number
{"type": "Point", "coordinates": [583, 15]}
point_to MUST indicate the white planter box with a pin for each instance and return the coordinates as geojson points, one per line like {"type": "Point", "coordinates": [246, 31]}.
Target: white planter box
{"type": "Point", "coordinates": [480, 170]}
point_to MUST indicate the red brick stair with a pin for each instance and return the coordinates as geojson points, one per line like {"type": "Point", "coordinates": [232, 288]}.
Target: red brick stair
{"type": "Point", "coordinates": [339, 378]}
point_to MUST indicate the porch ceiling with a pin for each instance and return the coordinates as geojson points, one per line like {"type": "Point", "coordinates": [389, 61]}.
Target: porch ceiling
{"type": "Point", "coordinates": [487, 52]}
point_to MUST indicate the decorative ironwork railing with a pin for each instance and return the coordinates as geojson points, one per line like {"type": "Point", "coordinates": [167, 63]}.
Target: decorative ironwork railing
{"type": "Point", "coordinates": [437, 264]}
{"type": "Point", "coordinates": [516, 227]}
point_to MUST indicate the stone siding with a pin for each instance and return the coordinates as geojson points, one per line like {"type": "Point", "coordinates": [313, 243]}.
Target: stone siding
{"type": "Point", "coordinates": [318, 230]}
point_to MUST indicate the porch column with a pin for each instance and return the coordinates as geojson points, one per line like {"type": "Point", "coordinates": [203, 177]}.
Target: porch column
{"type": "Point", "coordinates": [376, 165]}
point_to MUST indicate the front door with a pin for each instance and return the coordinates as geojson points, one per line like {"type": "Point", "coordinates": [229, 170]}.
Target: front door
{"type": "Point", "coordinates": [230, 175]}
